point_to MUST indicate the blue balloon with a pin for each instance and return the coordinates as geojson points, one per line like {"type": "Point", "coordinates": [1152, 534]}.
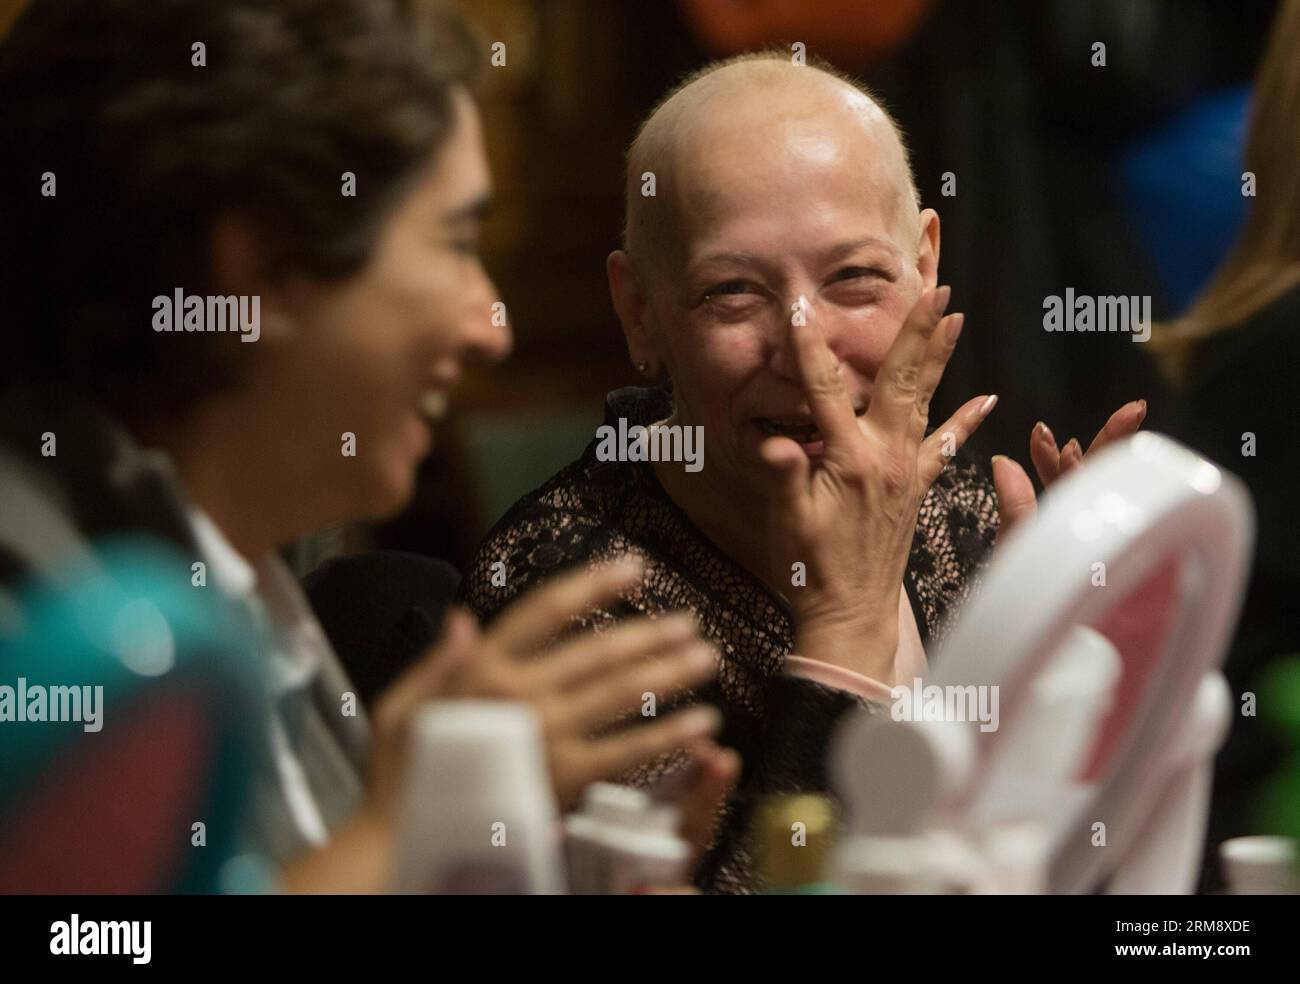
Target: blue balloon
{"type": "Point", "coordinates": [1183, 184]}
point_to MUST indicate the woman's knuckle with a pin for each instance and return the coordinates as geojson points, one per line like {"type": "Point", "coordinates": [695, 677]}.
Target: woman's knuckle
{"type": "Point", "coordinates": [905, 378]}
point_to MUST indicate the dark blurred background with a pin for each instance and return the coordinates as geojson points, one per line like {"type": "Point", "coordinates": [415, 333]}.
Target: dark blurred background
{"type": "Point", "coordinates": [1122, 179]}
{"type": "Point", "coordinates": [1115, 179]}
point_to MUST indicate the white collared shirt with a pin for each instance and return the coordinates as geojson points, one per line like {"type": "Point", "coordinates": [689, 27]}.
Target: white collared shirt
{"type": "Point", "coordinates": [294, 653]}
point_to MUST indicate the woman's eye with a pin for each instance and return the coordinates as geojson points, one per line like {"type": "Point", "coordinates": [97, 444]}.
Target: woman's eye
{"type": "Point", "coordinates": [858, 286]}
{"type": "Point", "coordinates": [851, 273]}
{"type": "Point", "coordinates": [729, 288]}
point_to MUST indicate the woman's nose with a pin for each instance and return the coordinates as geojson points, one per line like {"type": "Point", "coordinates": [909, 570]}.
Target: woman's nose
{"type": "Point", "coordinates": [801, 313]}
{"type": "Point", "coordinates": [485, 330]}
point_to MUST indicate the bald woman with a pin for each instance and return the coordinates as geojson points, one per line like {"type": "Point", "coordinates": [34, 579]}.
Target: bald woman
{"type": "Point", "coordinates": [779, 287]}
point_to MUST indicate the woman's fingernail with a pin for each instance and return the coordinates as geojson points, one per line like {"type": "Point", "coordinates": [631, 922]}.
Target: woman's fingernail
{"type": "Point", "coordinates": [988, 405]}
{"type": "Point", "coordinates": [1046, 431]}
{"type": "Point", "coordinates": [1142, 404]}
{"type": "Point", "coordinates": [954, 328]}
{"type": "Point", "coordinates": [679, 625]}
{"type": "Point", "coordinates": [700, 721]}
{"type": "Point", "coordinates": [940, 301]}
{"type": "Point", "coordinates": [703, 657]}
{"type": "Point", "coordinates": [458, 626]}
{"type": "Point", "coordinates": [629, 566]}
{"type": "Point", "coordinates": [1000, 457]}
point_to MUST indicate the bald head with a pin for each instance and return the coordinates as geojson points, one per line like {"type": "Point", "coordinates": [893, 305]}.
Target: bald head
{"type": "Point", "coordinates": [759, 126]}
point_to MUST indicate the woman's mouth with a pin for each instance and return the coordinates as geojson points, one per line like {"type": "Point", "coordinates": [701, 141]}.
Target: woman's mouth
{"type": "Point", "coordinates": [804, 432]}
{"type": "Point", "coordinates": [800, 429]}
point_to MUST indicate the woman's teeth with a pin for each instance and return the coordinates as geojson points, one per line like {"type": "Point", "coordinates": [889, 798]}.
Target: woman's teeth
{"type": "Point", "coordinates": [803, 433]}
{"type": "Point", "coordinates": [433, 404]}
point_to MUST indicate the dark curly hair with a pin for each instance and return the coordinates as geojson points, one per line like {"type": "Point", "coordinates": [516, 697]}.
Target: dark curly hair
{"type": "Point", "coordinates": [148, 149]}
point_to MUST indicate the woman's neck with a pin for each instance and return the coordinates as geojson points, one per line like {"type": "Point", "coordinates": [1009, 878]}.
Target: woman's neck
{"type": "Point", "coordinates": [739, 529]}
{"type": "Point", "coordinates": [233, 480]}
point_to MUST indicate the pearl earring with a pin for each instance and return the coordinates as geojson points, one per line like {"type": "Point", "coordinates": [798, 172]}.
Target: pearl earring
{"type": "Point", "coordinates": [642, 366]}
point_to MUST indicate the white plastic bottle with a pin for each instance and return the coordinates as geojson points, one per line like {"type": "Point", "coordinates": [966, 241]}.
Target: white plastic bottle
{"type": "Point", "coordinates": [623, 842]}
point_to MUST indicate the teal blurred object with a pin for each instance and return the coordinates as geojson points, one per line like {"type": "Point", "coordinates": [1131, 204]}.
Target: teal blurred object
{"type": "Point", "coordinates": [110, 806]}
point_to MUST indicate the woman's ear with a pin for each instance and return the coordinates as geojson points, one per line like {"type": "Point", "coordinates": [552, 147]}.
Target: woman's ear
{"type": "Point", "coordinates": [927, 248]}
{"type": "Point", "coordinates": [241, 266]}
{"type": "Point", "coordinates": [629, 302]}
{"type": "Point", "coordinates": [237, 256]}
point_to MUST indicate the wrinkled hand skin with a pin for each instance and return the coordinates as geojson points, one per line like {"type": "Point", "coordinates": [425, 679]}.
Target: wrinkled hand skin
{"type": "Point", "coordinates": [585, 688]}
{"type": "Point", "coordinates": [849, 514]}
{"type": "Point", "coordinates": [1016, 499]}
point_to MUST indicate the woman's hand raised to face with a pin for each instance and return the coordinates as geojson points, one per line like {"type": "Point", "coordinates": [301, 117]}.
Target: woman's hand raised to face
{"type": "Point", "coordinates": [581, 687]}
{"type": "Point", "coordinates": [850, 517]}
{"type": "Point", "coordinates": [1016, 499]}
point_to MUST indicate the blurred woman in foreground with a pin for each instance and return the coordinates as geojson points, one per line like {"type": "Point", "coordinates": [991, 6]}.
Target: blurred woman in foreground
{"type": "Point", "coordinates": [321, 163]}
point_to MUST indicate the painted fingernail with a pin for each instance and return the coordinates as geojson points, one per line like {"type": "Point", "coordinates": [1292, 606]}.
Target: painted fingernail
{"type": "Point", "coordinates": [988, 405]}
{"type": "Point", "coordinates": [1046, 431]}
{"type": "Point", "coordinates": [1143, 405]}
{"type": "Point", "coordinates": [940, 300]}
{"type": "Point", "coordinates": [1074, 447]}
{"type": "Point", "coordinates": [955, 324]}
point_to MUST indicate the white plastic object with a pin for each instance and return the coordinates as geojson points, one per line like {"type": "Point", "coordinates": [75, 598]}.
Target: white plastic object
{"type": "Point", "coordinates": [624, 842]}
{"type": "Point", "coordinates": [1031, 790]}
{"type": "Point", "coordinates": [1148, 545]}
{"type": "Point", "coordinates": [1261, 865]}
{"type": "Point", "coordinates": [477, 814]}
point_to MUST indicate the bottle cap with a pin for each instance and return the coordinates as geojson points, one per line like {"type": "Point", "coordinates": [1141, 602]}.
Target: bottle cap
{"type": "Point", "coordinates": [613, 803]}
{"type": "Point", "coordinates": [1261, 865]}
{"type": "Point", "coordinates": [793, 838]}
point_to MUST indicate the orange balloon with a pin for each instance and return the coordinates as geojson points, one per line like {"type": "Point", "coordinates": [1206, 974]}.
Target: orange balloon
{"type": "Point", "coordinates": [9, 11]}
{"type": "Point", "coordinates": [846, 31]}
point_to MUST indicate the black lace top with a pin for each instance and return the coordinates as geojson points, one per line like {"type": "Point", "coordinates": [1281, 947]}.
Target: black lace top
{"type": "Point", "coordinates": [592, 510]}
